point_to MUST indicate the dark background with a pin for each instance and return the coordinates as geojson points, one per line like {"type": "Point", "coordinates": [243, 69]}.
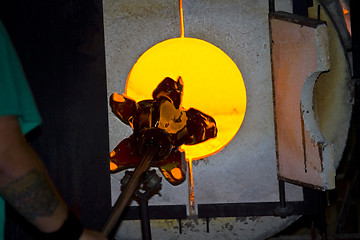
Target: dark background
{"type": "Point", "coordinates": [61, 47]}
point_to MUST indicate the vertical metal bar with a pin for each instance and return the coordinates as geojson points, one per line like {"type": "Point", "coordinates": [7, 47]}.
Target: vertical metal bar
{"type": "Point", "coordinates": [322, 216]}
{"type": "Point", "coordinates": [271, 5]}
{"type": "Point", "coordinates": [145, 221]}
{"type": "Point", "coordinates": [181, 19]}
{"type": "Point", "coordinates": [282, 194]}
{"type": "Point", "coordinates": [129, 190]}
{"type": "Point", "coordinates": [192, 208]}
{"type": "Point", "coordinates": [180, 226]}
{"type": "Point", "coordinates": [282, 210]}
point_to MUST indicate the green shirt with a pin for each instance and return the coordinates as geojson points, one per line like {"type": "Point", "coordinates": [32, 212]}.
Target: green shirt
{"type": "Point", "coordinates": [15, 96]}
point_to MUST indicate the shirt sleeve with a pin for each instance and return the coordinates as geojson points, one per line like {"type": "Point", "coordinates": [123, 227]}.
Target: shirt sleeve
{"type": "Point", "coordinates": [15, 95]}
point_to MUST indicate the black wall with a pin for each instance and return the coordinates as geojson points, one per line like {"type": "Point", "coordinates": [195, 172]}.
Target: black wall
{"type": "Point", "coordinates": [61, 47]}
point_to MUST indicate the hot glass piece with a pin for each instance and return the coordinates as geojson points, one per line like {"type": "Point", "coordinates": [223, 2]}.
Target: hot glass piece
{"type": "Point", "coordinates": [163, 112]}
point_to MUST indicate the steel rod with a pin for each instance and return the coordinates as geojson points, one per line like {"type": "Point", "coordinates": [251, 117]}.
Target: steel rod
{"type": "Point", "coordinates": [282, 194]}
{"type": "Point", "coordinates": [271, 5]}
{"type": "Point", "coordinates": [145, 220]}
{"type": "Point", "coordinates": [130, 187]}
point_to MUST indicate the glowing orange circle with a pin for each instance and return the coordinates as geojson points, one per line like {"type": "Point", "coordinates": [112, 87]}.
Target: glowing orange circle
{"type": "Point", "coordinates": [213, 84]}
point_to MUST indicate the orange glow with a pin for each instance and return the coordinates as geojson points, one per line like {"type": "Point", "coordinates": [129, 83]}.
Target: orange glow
{"type": "Point", "coordinates": [176, 173]}
{"type": "Point", "coordinates": [346, 13]}
{"type": "Point", "coordinates": [118, 98]}
{"type": "Point", "coordinates": [112, 154]}
{"type": "Point", "coordinates": [181, 19]}
{"type": "Point", "coordinates": [113, 166]}
{"type": "Point", "coordinates": [213, 84]}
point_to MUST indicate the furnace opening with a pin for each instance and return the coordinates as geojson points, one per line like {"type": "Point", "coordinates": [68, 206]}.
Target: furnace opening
{"type": "Point", "coordinates": [212, 83]}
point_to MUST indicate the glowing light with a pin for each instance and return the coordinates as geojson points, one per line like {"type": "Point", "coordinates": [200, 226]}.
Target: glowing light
{"type": "Point", "coordinates": [118, 98]}
{"type": "Point", "coordinates": [213, 84]}
{"type": "Point", "coordinates": [176, 172]}
{"type": "Point", "coordinates": [346, 13]}
{"type": "Point", "coordinates": [112, 153]}
{"type": "Point", "coordinates": [113, 166]}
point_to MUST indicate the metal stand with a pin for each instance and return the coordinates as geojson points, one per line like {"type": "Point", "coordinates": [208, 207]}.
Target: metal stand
{"type": "Point", "coordinates": [282, 210]}
{"type": "Point", "coordinates": [150, 185]}
{"type": "Point", "coordinates": [144, 217]}
{"type": "Point", "coordinates": [128, 191]}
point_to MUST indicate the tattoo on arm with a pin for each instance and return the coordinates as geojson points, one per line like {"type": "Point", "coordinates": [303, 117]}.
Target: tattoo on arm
{"type": "Point", "coordinates": [31, 195]}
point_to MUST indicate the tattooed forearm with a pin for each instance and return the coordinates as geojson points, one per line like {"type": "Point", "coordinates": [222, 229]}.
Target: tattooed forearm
{"type": "Point", "coordinates": [31, 195]}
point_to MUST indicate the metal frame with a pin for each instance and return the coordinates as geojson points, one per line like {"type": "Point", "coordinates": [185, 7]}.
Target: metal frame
{"type": "Point", "coordinates": [305, 207]}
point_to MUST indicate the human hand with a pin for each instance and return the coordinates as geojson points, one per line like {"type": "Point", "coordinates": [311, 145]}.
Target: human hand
{"type": "Point", "coordinates": [92, 235]}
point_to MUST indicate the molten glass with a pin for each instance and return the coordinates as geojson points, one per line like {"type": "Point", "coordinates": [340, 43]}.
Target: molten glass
{"type": "Point", "coordinates": [163, 112]}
